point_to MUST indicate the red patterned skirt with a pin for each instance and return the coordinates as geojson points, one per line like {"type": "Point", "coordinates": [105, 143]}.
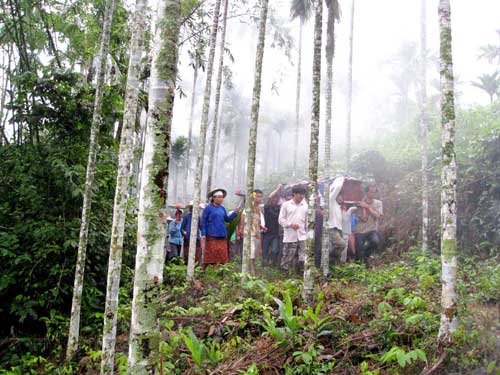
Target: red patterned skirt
{"type": "Point", "coordinates": [215, 251]}
{"type": "Point", "coordinates": [197, 254]}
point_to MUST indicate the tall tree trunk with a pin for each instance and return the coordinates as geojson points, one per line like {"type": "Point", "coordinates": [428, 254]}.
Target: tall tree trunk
{"type": "Point", "coordinates": [252, 143]}
{"type": "Point", "coordinates": [327, 169]}
{"type": "Point", "coordinates": [235, 156]}
{"type": "Point", "coordinates": [349, 96]}
{"type": "Point", "coordinates": [448, 182]}
{"type": "Point", "coordinates": [175, 180]}
{"type": "Point", "coordinates": [74, 327]}
{"type": "Point", "coordinates": [278, 147]}
{"type": "Point", "coordinates": [424, 128]}
{"type": "Point", "coordinates": [190, 133]}
{"type": "Point", "coordinates": [217, 143]}
{"type": "Point", "coordinates": [137, 161]}
{"type": "Point", "coordinates": [268, 154]}
{"type": "Point", "coordinates": [313, 154]}
{"type": "Point", "coordinates": [211, 158]}
{"type": "Point", "coordinates": [145, 336]}
{"type": "Point", "coordinates": [202, 141]}
{"type": "Point", "coordinates": [122, 187]}
{"type": "Point", "coordinates": [297, 100]}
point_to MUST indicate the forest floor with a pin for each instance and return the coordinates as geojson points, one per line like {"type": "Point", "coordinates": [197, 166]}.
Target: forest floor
{"type": "Point", "coordinates": [378, 320]}
{"type": "Point", "coordinates": [381, 320]}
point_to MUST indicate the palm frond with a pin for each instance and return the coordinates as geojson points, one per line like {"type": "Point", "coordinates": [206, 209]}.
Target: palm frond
{"type": "Point", "coordinates": [301, 9]}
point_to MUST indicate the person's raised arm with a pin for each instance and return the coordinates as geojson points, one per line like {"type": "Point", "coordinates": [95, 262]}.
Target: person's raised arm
{"type": "Point", "coordinates": [335, 189]}
{"type": "Point", "coordinates": [231, 216]}
{"type": "Point", "coordinates": [275, 192]}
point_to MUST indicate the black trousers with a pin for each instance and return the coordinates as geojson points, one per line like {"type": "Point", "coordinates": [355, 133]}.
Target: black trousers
{"type": "Point", "coordinates": [366, 244]}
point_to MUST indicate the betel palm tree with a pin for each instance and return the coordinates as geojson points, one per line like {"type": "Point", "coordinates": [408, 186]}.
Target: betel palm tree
{"type": "Point", "coordinates": [122, 187]}
{"type": "Point", "coordinates": [97, 120]}
{"type": "Point", "coordinates": [145, 336]}
{"type": "Point", "coordinates": [179, 148]}
{"type": "Point", "coordinates": [449, 318]}
{"type": "Point", "coordinates": [197, 63]}
{"type": "Point", "coordinates": [333, 15]}
{"type": "Point", "coordinates": [313, 153]}
{"type": "Point", "coordinates": [252, 144]}
{"type": "Point", "coordinates": [216, 125]}
{"type": "Point", "coordinates": [491, 52]}
{"type": "Point", "coordinates": [301, 9]}
{"type": "Point", "coordinates": [424, 126]}
{"type": "Point", "coordinates": [349, 93]}
{"type": "Point", "coordinates": [203, 139]}
{"type": "Point", "coordinates": [490, 83]}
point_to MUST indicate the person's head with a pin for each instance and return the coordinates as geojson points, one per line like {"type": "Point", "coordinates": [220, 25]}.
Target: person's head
{"type": "Point", "coordinates": [217, 197]}
{"type": "Point", "coordinates": [257, 196]}
{"type": "Point", "coordinates": [178, 215]}
{"type": "Point", "coordinates": [298, 192]}
{"type": "Point", "coordinates": [370, 191]}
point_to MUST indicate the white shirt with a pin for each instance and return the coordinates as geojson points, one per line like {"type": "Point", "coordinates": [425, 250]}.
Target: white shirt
{"type": "Point", "coordinates": [292, 213]}
{"type": "Point", "coordinates": [335, 211]}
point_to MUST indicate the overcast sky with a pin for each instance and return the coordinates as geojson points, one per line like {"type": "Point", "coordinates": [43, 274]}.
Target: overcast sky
{"type": "Point", "coordinates": [381, 28]}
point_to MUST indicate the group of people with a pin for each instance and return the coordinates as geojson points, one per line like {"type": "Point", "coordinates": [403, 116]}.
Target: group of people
{"type": "Point", "coordinates": [279, 228]}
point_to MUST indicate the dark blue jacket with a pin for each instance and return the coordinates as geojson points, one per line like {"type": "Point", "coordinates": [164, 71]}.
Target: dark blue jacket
{"type": "Point", "coordinates": [186, 226]}
{"type": "Point", "coordinates": [213, 219]}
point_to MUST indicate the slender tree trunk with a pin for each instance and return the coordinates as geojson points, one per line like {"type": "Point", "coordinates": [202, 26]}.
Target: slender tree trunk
{"type": "Point", "coordinates": [313, 155]}
{"type": "Point", "coordinates": [327, 169]}
{"type": "Point", "coordinates": [175, 180]}
{"type": "Point", "coordinates": [211, 158]}
{"type": "Point", "coordinates": [235, 156]}
{"type": "Point", "coordinates": [252, 144]}
{"type": "Point", "coordinates": [74, 328]}
{"type": "Point", "coordinates": [202, 141]}
{"type": "Point", "coordinates": [349, 95]}
{"type": "Point", "coordinates": [217, 143]}
{"type": "Point", "coordinates": [424, 126]}
{"type": "Point", "coordinates": [268, 153]}
{"type": "Point", "coordinates": [137, 161]}
{"type": "Point", "coordinates": [448, 182]}
{"type": "Point", "coordinates": [278, 147]}
{"type": "Point", "coordinates": [122, 188]}
{"type": "Point", "coordinates": [190, 133]}
{"type": "Point", "coordinates": [297, 100]}
{"type": "Point", "coordinates": [145, 336]}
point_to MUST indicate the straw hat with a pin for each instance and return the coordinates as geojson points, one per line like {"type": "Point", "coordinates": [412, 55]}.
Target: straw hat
{"type": "Point", "coordinates": [212, 192]}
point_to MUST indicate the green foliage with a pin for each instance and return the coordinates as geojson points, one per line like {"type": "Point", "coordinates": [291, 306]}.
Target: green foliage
{"type": "Point", "coordinates": [41, 188]}
{"type": "Point", "coordinates": [402, 357]}
{"type": "Point", "coordinates": [202, 354]}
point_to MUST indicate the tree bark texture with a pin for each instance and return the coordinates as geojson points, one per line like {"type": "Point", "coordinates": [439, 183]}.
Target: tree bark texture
{"type": "Point", "coordinates": [297, 100]}
{"type": "Point", "coordinates": [349, 96]}
{"type": "Point", "coordinates": [252, 144]}
{"type": "Point", "coordinates": [145, 336]}
{"type": "Point", "coordinates": [424, 128]}
{"type": "Point", "coordinates": [190, 132]}
{"type": "Point", "coordinates": [216, 125]}
{"type": "Point", "coordinates": [313, 155]}
{"type": "Point", "coordinates": [202, 141]}
{"type": "Point", "coordinates": [122, 187]}
{"type": "Point", "coordinates": [74, 327]}
{"type": "Point", "coordinates": [329, 53]}
{"type": "Point", "coordinates": [449, 318]}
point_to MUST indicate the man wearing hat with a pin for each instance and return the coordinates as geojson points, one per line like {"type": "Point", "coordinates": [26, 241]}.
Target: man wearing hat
{"type": "Point", "coordinates": [186, 233]}
{"type": "Point", "coordinates": [213, 228]}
